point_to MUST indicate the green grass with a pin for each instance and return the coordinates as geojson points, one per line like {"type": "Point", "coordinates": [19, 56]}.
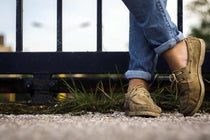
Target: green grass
{"type": "Point", "coordinates": [96, 101]}
{"type": "Point", "coordinates": [107, 102]}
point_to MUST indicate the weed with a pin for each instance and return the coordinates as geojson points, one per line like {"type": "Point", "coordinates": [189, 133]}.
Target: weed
{"type": "Point", "coordinates": [107, 102]}
{"type": "Point", "coordinates": [96, 101]}
{"type": "Point", "coordinates": [163, 96]}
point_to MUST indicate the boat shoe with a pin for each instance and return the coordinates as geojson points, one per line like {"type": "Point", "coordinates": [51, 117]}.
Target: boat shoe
{"type": "Point", "coordinates": [138, 102]}
{"type": "Point", "coordinates": [189, 81]}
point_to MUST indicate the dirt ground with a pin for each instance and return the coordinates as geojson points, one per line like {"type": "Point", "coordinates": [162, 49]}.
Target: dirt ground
{"type": "Point", "coordinates": [116, 126]}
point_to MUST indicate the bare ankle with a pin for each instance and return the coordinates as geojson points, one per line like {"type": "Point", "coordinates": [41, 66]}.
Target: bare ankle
{"type": "Point", "coordinates": [177, 56]}
{"type": "Point", "coordinates": [135, 82]}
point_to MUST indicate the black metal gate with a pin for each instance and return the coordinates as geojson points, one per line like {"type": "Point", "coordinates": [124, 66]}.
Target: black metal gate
{"type": "Point", "coordinates": [43, 64]}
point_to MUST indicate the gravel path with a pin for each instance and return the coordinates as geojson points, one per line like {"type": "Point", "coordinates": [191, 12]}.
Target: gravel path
{"type": "Point", "coordinates": [104, 127]}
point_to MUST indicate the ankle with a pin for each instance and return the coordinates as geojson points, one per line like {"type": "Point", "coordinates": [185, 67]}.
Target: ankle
{"type": "Point", "coordinates": [177, 56]}
{"type": "Point", "coordinates": [135, 82]}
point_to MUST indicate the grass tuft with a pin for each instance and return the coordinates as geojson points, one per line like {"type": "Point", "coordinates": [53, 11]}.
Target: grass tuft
{"type": "Point", "coordinates": [163, 95]}
{"type": "Point", "coordinates": [108, 102]}
{"type": "Point", "coordinates": [95, 101]}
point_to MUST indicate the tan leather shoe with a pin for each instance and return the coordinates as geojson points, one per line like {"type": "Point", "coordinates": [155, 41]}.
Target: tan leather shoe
{"type": "Point", "coordinates": [189, 79]}
{"type": "Point", "coordinates": [138, 102]}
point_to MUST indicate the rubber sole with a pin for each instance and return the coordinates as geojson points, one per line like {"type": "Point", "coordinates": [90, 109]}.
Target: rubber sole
{"type": "Point", "coordinates": [202, 90]}
{"type": "Point", "coordinates": [143, 114]}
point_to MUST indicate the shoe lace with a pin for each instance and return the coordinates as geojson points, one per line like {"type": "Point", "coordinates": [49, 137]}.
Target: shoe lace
{"type": "Point", "coordinates": [134, 89]}
{"type": "Point", "coordinates": [174, 81]}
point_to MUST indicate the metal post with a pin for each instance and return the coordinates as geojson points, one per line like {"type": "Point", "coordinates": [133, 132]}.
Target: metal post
{"type": "Point", "coordinates": [19, 25]}
{"type": "Point", "coordinates": [59, 25]}
{"type": "Point", "coordinates": [99, 25]}
{"type": "Point", "coordinates": [180, 15]}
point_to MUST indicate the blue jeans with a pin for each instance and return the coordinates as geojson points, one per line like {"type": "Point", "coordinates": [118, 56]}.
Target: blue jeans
{"type": "Point", "coordinates": [151, 33]}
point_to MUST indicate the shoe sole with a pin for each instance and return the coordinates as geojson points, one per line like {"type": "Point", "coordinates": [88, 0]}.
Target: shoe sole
{"type": "Point", "coordinates": [143, 114]}
{"type": "Point", "coordinates": [202, 91]}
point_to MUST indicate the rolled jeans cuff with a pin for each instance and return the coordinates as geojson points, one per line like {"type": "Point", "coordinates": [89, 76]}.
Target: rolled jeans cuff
{"type": "Point", "coordinates": [137, 74]}
{"type": "Point", "coordinates": [169, 44]}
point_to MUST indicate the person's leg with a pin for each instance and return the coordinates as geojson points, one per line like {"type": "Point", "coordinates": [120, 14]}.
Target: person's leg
{"type": "Point", "coordinates": [144, 28]}
{"type": "Point", "coordinates": [185, 58]}
{"type": "Point", "coordinates": [143, 58]}
{"type": "Point", "coordinates": [143, 61]}
{"type": "Point", "coordinates": [176, 60]}
{"type": "Point", "coordinates": [156, 23]}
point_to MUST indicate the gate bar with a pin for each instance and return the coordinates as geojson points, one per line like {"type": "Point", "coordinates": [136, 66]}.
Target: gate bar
{"type": "Point", "coordinates": [180, 15]}
{"type": "Point", "coordinates": [59, 25]}
{"type": "Point", "coordinates": [99, 25]}
{"type": "Point", "coordinates": [19, 25]}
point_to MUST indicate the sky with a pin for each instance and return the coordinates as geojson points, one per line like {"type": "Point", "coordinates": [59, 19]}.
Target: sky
{"type": "Point", "coordinates": [79, 24]}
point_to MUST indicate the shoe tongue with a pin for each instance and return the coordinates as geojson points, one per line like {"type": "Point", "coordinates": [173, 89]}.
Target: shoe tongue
{"type": "Point", "coordinates": [139, 87]}
{"type": "Point", "coordinates": [143, 89]}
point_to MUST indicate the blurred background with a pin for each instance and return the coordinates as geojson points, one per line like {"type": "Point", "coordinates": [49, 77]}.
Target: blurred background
{"type": "Point", "coordinates": [79, 23]}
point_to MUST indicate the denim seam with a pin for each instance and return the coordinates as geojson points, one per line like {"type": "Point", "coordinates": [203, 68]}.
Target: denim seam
{"type": "Point", "coordinates": [177, 38]}
{"type": "Point", "coordinates": [139, 74]}
{"type": "Point", "coordinates": [165, 17]}
{"type": "Point", "coordinates": [169, 44]}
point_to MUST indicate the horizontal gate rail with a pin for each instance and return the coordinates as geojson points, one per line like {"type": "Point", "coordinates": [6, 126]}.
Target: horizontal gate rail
{"type": "Point", "coordinates": [73, 62]}
{"type": "Point", "coordinates": [63, 62]}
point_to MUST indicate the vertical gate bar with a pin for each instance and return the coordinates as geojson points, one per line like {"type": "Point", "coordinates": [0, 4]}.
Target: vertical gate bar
{"type": "Point", "coordinates": [180, 15]}
{"type": "Point", "coordinates": [59, 25]}
{"type": "Point", "coordinates": [19, 25]}
{"type": "Point", "coordinates": [99, 25]}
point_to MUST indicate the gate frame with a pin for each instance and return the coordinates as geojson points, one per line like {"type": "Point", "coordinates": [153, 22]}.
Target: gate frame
{"type": "Point", "coordinates": [43, 64]}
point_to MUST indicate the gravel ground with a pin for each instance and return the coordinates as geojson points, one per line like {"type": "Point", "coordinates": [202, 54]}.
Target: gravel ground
{"type": "Point", "coordinates": [104, 127]}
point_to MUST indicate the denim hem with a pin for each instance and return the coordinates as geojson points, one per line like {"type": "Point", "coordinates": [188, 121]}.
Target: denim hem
{"type": "Point", "coordinates": [131, 74]}
{"type": "Point", "coordinates": [169, 44]}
